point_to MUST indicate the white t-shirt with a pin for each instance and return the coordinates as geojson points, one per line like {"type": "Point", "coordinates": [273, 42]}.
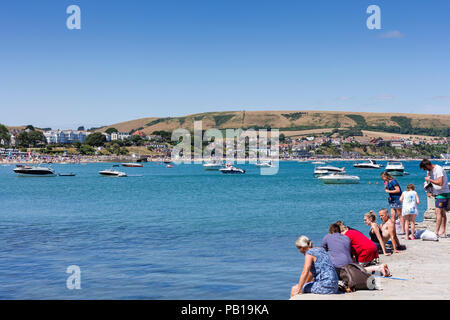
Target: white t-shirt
{"type": "Point", "coordinates": [409, 205]}
{"type": "Point", "coordinates": [435, 174]}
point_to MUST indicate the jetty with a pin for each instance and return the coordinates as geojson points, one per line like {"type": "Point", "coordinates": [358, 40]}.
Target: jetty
{"type": "Point", "coordinates": [420, 272]}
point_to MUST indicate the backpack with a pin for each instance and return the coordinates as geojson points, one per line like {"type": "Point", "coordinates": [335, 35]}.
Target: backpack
{"type": "Point", "coordinates": [356, 277]}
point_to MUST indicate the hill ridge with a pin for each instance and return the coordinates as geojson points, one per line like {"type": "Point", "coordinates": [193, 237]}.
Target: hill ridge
{"type": "Point", "coordinates": [408, 123]}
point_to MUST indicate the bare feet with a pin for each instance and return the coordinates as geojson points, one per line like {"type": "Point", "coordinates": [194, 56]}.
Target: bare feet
{"type": "Point", "coordinates": [385, 271]}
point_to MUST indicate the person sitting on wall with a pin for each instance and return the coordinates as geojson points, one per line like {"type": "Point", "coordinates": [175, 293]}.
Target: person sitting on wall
{"type": "Point", "coordinates": [338, 247]}
{"type": "Point", "coordinates": [370, 219]}
{"type": "Point", "coordinates": [318, 274]}
{"type": "Point", "coordinates": [363, 250]}
{"type": "Point", "coordinates": [388, 233]}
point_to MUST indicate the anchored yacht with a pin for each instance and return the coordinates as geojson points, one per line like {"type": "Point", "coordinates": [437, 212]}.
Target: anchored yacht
{"type": "Point", "coordinates": [339, 178]}
{"type": "Point", "coordinates": [267, 164]}
{"type": "Point", "coordinates": [446, 166]}
{"type": "Point", "coordinates": [27, 171]}
{"type": "Point", "coordinates": [229, 169]}
{"type": "Point", "coordinates": [323, 170]}
{"type": "Point", "coordinates": [395, 168]}
{"type": "Point", "coordinates": [112, 173]}
{"type": "Point", "coordinates": [212, 166]}
{"type": "Point", "coordinates": [132, 165]}
{"type": "Point", "coordinates": [371, 164]}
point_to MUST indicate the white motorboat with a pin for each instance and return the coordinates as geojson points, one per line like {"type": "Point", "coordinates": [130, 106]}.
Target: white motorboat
{"type": "Point", "coordinates": [318, 162]}
{"type": "Point", "coordinates": [446, 166]}
{"type": "Point", "coordinates": [371, 164]}
{"type": "Point", "coordinates": [339, 178]}
{"type": "Point", "coordinates": [395, 168]}
{"type": "Point", "coordinates": [232, 170]}
{"type": "Point", "coordinates": [318, 172]}
{"type": "Point", "coordinates": [267, 164]}
{"type": "Point", "coordinates": [331, 169]}
{"type": "Point", "coordinates": [212, 166]}
{"type": "Point", "coordinates": [324, 170]}
{"type": "Point", "coordinates": [26, 171]}
{"type": "Point", "coordinates": [112, 173]}
{"type": "Point", "coordinates": [132, 165]}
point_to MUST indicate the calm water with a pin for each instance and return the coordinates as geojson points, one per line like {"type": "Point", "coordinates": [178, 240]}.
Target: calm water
{"type": "Point", "coordinates": [172, 233]}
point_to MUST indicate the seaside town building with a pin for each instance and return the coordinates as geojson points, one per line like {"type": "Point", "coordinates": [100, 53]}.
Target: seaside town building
{"type": "Point", "coordinates": [65, 136]}
{"type": "Point", "coordinates": [119, 136]}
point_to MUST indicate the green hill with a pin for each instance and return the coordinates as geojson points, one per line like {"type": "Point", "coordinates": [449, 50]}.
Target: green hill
{"type": "Point", "coordinates": [418, 124]}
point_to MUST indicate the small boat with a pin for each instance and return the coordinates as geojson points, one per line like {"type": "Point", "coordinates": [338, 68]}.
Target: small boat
{"type": "Point", "coordinates": [167, 161]}
{"type": "Point", "coordinates": [395, 168]}
{"type": "Point", "coordinates": [324, 170]}
{"type": "Point", "coordinates": [331, 169]}
{"type": "Point", "coordinates": [339, 178]}
{"type": "Point", "coordinates": [70, 174]}
{"type": "Point", "coordinates": [212, 166]}
{"type": "Point", "coordinates": [112, 173]}
{"type": "Point", "coordinates": [264, 164]}
{"type": "Point", "coordinates": [318, 172]}
{"type": "Point", "coordinates": [132, 165]}
{"type": "Point", "coordinates": [318, 162]}
{"type": "Point", "coordinates": [446, 166]}
{"type": "Point", "coordinates": [229, 169]}
{"type": "Point", "coordinates": [27, 171]}
{"type": "Point", "coordinates": [371, 164]}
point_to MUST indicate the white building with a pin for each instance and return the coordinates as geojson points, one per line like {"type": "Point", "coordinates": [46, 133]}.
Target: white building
{"type": "Point", "coordinates": [107, 136]}
{"type": "Point", "coordinates": [65, 136]}
{"type": "Point", "coordinates": [119, 136]}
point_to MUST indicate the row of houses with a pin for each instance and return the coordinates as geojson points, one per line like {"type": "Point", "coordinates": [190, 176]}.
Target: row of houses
{"type": "Point", "coordinates": [396, 142]}
{"type": "Point", "coordinates": [71, 136]}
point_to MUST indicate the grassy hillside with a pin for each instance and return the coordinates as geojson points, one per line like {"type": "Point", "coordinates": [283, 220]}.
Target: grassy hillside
{"type": "Point", "coordinates": [420, 124]}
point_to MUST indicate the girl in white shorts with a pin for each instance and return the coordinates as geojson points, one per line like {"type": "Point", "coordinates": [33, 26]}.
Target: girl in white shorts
{"type": "Point", "coordinates": [410, 200]}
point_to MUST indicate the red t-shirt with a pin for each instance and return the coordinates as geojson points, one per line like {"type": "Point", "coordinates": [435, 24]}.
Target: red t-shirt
{"type": "Point", "coordinates": [362, 247]}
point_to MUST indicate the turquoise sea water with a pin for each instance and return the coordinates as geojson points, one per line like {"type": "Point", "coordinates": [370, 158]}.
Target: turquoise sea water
{"type": "Point", "coordinates": [180, 233]}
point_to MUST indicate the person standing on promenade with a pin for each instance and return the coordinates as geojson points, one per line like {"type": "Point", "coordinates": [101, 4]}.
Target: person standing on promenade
{"type": "Point", "coordinates": [318, 274]}
{"type": "Point", "coordinates": [388, 230]}
{"type": "Point", "coordinates": [410, 200]}
{"type": "Point", "coordinates": [438, 178]}
{"type": "Point", "coordinates": [392, 187]}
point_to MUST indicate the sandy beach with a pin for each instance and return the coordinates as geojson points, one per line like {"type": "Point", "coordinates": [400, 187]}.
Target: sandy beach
{"type": "Point", "coordinates": [425, 266]}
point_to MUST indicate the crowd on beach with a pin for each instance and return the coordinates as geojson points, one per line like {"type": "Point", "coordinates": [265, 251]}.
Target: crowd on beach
{"type": "Point", "coordinates": [343, 246]}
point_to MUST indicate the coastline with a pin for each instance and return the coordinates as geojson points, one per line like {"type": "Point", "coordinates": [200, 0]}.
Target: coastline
{"type": "Point", "coordinates": [86, 160]}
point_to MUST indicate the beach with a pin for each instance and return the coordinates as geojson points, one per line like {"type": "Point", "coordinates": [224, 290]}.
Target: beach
{"type": "Point", "coordinates": [424, 265]}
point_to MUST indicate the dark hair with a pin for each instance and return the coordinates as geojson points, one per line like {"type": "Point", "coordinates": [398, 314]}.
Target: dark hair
{"type": "Point", "coordinates": [424, 164]}
{"type": "Point", "coordinates": [335, 228]}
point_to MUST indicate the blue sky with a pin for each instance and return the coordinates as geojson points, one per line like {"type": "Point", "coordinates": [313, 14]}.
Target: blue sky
{"type": "Point", "coordinates": [134, 59]}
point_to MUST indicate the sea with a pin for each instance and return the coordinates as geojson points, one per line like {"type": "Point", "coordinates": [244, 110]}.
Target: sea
{"type": "Point", "coordinates": [173, 233]}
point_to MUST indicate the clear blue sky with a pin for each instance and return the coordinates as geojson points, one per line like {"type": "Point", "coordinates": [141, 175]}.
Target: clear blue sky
{"type": "Point", "coordinates": [134, 59]}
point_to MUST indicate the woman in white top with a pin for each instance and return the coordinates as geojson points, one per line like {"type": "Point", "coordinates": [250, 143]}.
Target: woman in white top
{"type": "Point", "coordinates": [410, 200]}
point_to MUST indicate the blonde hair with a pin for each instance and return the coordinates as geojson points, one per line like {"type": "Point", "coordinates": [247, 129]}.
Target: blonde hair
{"type": "Point", "coordinates": [386, 175]}
{"type": "Point", "coordinates": [371, 216]}
{"type": "Point", "coordinates": [303, 242]}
